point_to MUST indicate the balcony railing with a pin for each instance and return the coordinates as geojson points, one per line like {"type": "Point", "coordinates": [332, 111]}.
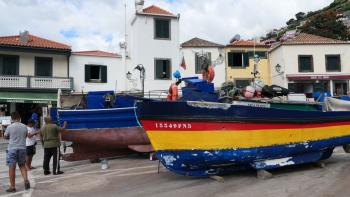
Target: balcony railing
{"type": "Point", "coordinates": [30, 82]}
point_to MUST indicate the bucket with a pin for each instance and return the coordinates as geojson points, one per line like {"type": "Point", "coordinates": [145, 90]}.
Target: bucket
{"type": "Point", "coordinates": [104, 164]}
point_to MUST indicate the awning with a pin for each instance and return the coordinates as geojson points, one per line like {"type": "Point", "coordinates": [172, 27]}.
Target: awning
{"type": "Point", "coordinates": [28, 97]}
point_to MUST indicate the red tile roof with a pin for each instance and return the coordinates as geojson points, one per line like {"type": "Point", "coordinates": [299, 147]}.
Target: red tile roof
{"type": "Point", "coordinates": [198, 42]}
{"type": "Point", "coordinates": [247, 43]}
{"type": "Point", "coordinates": [304, 38]}
{"type": "Point", "coordinates": [96, 53]}
{"type": "Point", "coordinates": [33, 42]}
{"type": "Point", "coordinates": [309, 39]}
{"type": "Point", "coordinates": [157, 11]}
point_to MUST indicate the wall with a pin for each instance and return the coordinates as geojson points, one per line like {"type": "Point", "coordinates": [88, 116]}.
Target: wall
{"type": "Point", "coordinates": [245, 73]}
{"type": "Point", "coordinates": [189, 55]}
{"type": "Point", "coordinates": [143, 49]}
{"type": "Point", "coordinates": [115, 74]}
{"type": "Point", "coordinates": [27, 63]}
{"type": "Point", "coordinates": [287, 56]}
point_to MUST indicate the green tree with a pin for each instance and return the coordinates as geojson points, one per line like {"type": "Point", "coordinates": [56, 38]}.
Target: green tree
{"type": "Point", "coordinates": [290, 21]}
{"type": "Point", "coordinates": [326, 24]}
{"type": "Point", "coordinates": [299, 15]}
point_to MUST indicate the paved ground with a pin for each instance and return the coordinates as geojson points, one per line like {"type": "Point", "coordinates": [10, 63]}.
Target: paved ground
{"type": "Point", "coordinates": [135, 176]}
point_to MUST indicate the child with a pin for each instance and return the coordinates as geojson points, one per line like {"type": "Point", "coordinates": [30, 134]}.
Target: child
{"type": "Point", "coordinates": [30, 143]}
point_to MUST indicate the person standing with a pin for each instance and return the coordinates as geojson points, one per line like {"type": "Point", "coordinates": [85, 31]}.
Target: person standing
{"type": "Point", "coordinates": [50, 138]}
{"type": "Point", "coordinates": [30, 143]}
{"type": "Point", "coordinates": [35, 117]}
{"type": "Point", "coordinates": [16, 151]}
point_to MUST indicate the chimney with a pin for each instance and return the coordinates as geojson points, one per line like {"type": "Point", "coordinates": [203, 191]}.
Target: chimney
{"type": "Point", "coordinates": [139, 5]}
{"type": "Point", "coordinates": [24, 37]}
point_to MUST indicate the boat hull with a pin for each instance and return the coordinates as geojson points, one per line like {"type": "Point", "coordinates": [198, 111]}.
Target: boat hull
{"type": "Point", "coordinates": [98, 133]}
{"type": "Point", "coordinates": [204, 139]}
{"type": "Point", "coordinates": [106, 142]}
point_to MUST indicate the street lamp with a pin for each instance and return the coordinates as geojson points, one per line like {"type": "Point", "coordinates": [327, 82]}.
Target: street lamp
{"type": "Point", "coordinates": [142, 70]}
{"type": "Point", "coordinates": [128, 75]}
{"type": "Point", "coordinates": [278, 68]}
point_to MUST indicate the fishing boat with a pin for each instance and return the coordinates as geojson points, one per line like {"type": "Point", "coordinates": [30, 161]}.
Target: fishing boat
{"type": "Point", "coordinates": [196, 138]}
{"type": "Point", "coordinates": [100, 131]}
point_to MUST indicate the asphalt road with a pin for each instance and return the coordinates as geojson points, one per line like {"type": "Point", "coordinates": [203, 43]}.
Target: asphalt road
{"type": "Point", "coordinates": [136, 176]}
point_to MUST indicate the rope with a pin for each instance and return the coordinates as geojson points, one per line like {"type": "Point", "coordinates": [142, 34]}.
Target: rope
{"type": "Point", "coordinates": [137, 120]}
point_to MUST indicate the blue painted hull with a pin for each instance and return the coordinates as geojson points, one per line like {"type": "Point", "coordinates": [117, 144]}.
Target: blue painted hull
{"type": "Point", "coordinates": [98, 118]}
{"type": "Point", "coordinates": [218, 162]}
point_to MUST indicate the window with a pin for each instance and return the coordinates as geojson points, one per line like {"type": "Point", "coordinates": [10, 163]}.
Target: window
{"type": "Point", "coordinates": [162, 69]}
{"type": "Point", "coordinates": [9, 65]}
{"type": "Point", "coordinates": [95, 74]}
{"type": "Point", "coordinates": [241, 83]}
{"type": "Point", "coordinates": [161, 29]}
{"type": "Point", "coordinates": [333, 63]}
{"type": "Point", "coordinates": [238, 59]}
{"type": "Point", "coordinates": [261, 54]}
{"type": "Point", "coordinates": [200, 58]}
{"type": "Point", "coordinates": [306, 63]}
{"type": "Point", "coordinates": [43, 66]}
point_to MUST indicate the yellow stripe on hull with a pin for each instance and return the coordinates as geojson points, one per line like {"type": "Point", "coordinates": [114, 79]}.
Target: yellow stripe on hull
{"type": "Point", "coordinates": [207, 140]}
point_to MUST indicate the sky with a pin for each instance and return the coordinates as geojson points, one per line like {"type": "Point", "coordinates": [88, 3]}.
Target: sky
{"type": "Point", "coordinates": [99, 24]}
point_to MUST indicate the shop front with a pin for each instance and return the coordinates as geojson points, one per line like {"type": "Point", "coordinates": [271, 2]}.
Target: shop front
{"type": "Point", "coordinates": [335, 85]}
{"type": "Point", "coordinates": [26, 102]}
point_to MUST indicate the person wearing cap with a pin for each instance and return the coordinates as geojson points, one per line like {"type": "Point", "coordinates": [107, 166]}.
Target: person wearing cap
{"type": "Point", "coordinates": [30, 143]}
{"type": "Point", "coordinates": [173, 92]}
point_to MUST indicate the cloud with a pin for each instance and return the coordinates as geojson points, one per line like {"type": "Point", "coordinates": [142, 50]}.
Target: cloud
{"type": "Point", "coordinates": [99, 24]}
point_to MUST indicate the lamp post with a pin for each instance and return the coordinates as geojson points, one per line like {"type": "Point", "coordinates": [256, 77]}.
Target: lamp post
{"type": "Point", "coordinates": [278, 68]}
{"type": "Point", "coordinates": [128, 75]}
{"type": "Point", "coordinates": [142, 70]}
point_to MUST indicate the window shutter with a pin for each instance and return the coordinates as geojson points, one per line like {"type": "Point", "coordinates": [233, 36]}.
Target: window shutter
{"type": "Point", "coordinates": [245, 60]}
{"type": "Point", "coordinates": [17, 66]}
{"type": "Point", "coordinates": [165, 69]}
{"type": "Point", "coordinates": [104, 74]}
{"type": "Point", "coordinates": [209, 57]}
{"type": "Point", "coordinates": [197, 63]}
{"type": "Point", "coordinates": [87, 73]}
{"type": "Point", "coordinates": [230, 59]}
{"type": "Point", "coordinates": [159, 69]}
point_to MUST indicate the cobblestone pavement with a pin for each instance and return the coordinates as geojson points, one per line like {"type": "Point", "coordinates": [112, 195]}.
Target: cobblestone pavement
{"type": "Point", "coordinates": [137, 176]}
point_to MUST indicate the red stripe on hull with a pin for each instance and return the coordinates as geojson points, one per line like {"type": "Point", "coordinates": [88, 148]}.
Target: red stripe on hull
{"type": "Point", "coordinates": [154, 125]}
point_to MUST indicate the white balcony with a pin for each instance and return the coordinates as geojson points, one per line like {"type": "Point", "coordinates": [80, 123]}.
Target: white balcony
{"type": "Point", "coordinates": [30, 82]}
{"type": "Point", "coordinates": [13, 82]}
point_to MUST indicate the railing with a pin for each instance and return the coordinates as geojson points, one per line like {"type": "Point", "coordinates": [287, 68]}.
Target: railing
{"type": "Point", "coordinates": [30, 82]}
{"type": "Point", "coordinates": [13, 82]}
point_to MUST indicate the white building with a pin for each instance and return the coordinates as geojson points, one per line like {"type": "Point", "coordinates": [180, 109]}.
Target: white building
{"type": "Point", "coordinates": [97, 71]}
{"type": "Point", "coordinates": [309, 63]}
{"type": "Point", "coordinates": [32, 69]}
{"type": "Point", "coordinates": [153, 41]}
{"type": "Point", "coordinates": [193, 49]}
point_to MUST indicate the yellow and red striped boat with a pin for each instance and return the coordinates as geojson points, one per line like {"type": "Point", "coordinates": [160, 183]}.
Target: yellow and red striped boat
{"type": "Point", "coordinates": [203, 139]}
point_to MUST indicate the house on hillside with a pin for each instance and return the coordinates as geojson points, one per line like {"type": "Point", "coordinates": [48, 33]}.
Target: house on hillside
{"type": "Point", "coordinates": [152, 41]}
{"type": "Point", "coordinates": [309, 63]}
{"type": "Point", "coordinates": [96, 71]}
{"type": "Point", "coordinates": [193, 49]}
{"type": "Point", "coordinates": [240, 62]}
{"type": "Point", "coordinates": [32, 69]}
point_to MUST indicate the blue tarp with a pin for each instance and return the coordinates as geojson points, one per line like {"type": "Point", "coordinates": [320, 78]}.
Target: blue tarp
{"type": "Point", "coordinates": [95, 99]}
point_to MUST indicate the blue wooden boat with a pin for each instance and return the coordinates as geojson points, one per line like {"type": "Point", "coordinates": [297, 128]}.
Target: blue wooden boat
{"type": "Point", "coordinates": [208, 138]}
{"type": "Point", "coordinates": [98, 132]}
